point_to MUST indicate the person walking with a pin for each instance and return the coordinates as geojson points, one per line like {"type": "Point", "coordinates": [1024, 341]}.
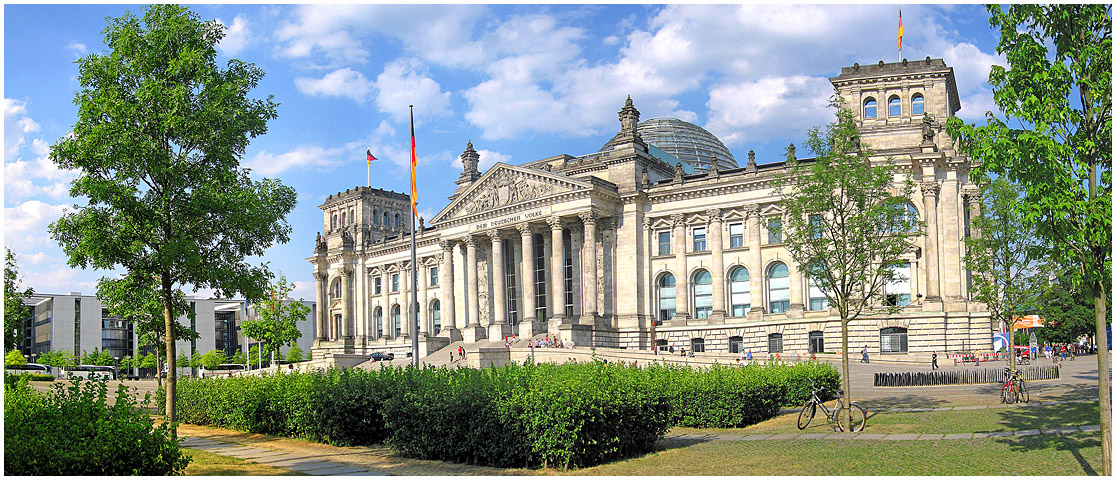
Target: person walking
{"type": "Point", "coordinates": [864, 354]}
{"type": "Point", "coordinates": [933, 360]}
{"type": "Point", "coordinates": [451, 357]}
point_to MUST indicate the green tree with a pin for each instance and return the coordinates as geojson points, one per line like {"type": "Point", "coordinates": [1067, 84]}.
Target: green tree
{"type": "Point", "coordinates": [212, 358]}
{"type": "Point", "coordinates": [15, 312]}
{"type": "Point", "coordinates": [1066, 308]}
{"type": "Point", "coordinates": [157, 146]}
{"type": "Point", "coordinates": [53, 358]}
{"type": "Point", "coordinates": [277, 319]}
{"type": "Point", "coordinates": [126, 365]}
{"type": "Point", "coordinates": [1006, 257]}
{"type": "Point", "coordinates": [294, 354]}
{"type": "Point", "coordinates": [238, 357]}
{"type": "Point", "coordinates": [138, 300]}
{"type": "Point", "coordinates": [1055, 140]}
{"type": "Point", "coordinates": [149, 361]}
{"type": "Point", "coordinates": [14, 357]}
{"type": "Point", "coordinates": [844, 223]}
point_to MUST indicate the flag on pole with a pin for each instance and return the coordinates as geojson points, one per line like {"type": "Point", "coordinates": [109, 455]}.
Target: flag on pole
{"type": "Point", "coordinates": [414, 160]}
{"type": "Point", "coordinates": [368, 156]}
{"type": "Point", "coordinates": [900, 31]}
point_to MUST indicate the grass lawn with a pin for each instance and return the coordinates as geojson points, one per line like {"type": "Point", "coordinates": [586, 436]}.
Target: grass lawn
{"type": "Point", "coordinates": [947, 421]}
{"type": "Point", "coordinates": [1076, 454]}
{"type": "Point", "coordinates": [205, 463]}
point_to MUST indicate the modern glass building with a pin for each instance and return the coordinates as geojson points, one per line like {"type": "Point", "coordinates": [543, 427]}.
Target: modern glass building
{"type": "Point", "coordinates": [687, 142]}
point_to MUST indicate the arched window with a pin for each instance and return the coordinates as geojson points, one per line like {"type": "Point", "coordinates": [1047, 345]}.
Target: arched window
{"type": "Point", "coordinates": [395, 320]}
{"type": "Point", "coordinates": [352, 216]}
{"type": "Point", "coordinates": [333, 222]}
{"type": "Point", "coordinates": [778, 287]}
{"type": "Point", "coordinates": [375, 217]}
{"type": "Point", "coordinates": [666, 298]}
{"type": "Point", "coordinates": [697, 345]}
{"type": "Point", "coordinates": [703, 294]}
{"type": "Point", "coordinates": [775, 343]}
{"type": "Point", "coordinates": [918, 104]}
{"type": "Point", "coordinates": [894, 107]}
{"type": "Point", "coordinates": [436, 315]}
{"type": "Point", "coordinates": [740, 292]}
{"type": "Point", "coordinates": [893, 340]}
{"type": "Point", "coordinates": [378, 321]}
{"type": "Point", "coordinates": [817, 342]}
{"type": "Point", "coordinates": [342, 219]}
{"type": "Point", "coordinates": [397, 224]}
{"type": "Point", "coordinates": [870, 108]}
{"type": "Point", "coordinates": [336, 290]}
{"type": "Point", "coordinates": [736, 344]}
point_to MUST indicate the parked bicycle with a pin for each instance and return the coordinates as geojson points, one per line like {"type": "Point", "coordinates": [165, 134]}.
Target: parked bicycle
{"type": "Point", "coordinates": [1014, 389]}
{"type": "Point", "coordinates": [859, 416]}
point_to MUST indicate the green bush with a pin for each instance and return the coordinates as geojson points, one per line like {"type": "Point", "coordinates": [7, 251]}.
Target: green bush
{"type": "Point", "coordinates": [73, 431]}
{"type": "Point", "coordinates": [517, 416]}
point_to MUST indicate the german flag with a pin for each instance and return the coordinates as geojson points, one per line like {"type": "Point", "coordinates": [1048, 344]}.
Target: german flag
{"type": "Point", "coordinates": [414, 161]}
{"type": "Point", "coordinates": [900, 29]}
{"type": "Point", "coordinates": [368, 156]}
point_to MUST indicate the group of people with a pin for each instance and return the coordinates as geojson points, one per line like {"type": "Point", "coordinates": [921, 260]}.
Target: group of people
{"type": "Point", "coordinates": [460, 354]}
{"type": "Point", "coordinates": [547, 343]}
{"type": "Point", "coordinates": [1058, 352]}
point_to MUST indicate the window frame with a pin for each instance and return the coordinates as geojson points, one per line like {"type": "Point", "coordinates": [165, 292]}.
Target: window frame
{"type": "Point", "coordinates": [660, 236]}
{"type": "Point", "coordinates": [394, 283]}
{"type": "Point", "coordinates": [775, 340]}
{"type": "Point", "coordinates": [704, 311]}
{"type": "Point", "coordinates": [736, 241]}
{"type": "Point", "coordinates": [747, 285]}
{"type": "Point", "coordinates": [377, 285]}
{"type": "Point", "coordinates": [697, 345]}
{"type": "Point", "coordinates": [774, 236]}
{"type": "Point", "coordinates": [921, 103]}
{"type": "Point", "coordinates": [896, 342]}
{"type": "Point", "coordinates": [435, 311]}
{"type": "Point", "coordinates": [433, 281]}
{"type": "Point", "coordinates": [819, 336]}
{"type": "Point", "coordinates": [699, 234]}
{"type": "Point", "coordinates": [870, 102]}
{"type": "Point", "coordinates": [894, 102]}
{"type": "Point", "coordinates": [771, 303]}
{"type": "Point", "coordinates": [663, 315]}
{"type": "Point", "coordinates": [378, 321]}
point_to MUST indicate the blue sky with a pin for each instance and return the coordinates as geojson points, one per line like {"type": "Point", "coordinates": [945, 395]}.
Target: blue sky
{"type": "Point", "coordinates": [523, 82]}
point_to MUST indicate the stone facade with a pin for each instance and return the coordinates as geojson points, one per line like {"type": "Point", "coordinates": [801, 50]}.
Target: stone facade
{"type": "Point", "coordinates": [596, 249]}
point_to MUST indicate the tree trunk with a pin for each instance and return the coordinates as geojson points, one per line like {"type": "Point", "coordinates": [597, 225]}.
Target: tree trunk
{"type": "Point", "coordinates": [172, 393]}
{"type": "Point", "coordinates": [1103, 388]}
{"type": "Point", "coordinates": [1011, 342]}
{"type": "Point", "coordinates": [845, 373]}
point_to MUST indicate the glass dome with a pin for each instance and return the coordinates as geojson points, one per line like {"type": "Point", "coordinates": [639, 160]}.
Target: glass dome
{"type": "Point", "coordinates": [687, 142]}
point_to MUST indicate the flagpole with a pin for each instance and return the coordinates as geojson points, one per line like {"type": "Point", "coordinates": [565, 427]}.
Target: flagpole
{"type": "Point", "coordinates": [414, 262]}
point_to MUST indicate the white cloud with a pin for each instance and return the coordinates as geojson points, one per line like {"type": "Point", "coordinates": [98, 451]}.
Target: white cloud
{"type": "Point", "coordinates": [25, 225]}
{"type": "Point", "coordinates": [76, 47]}
{"type": "Point", "coordinates": [773, 106]}
{"type": "Point", "coordinates": [343, 82]}
{"type": "Point", "coordinates": [14, 107]}
{"type": "Point", "coordinates": [27, 125]}
{"type": "Point", "coordinates": [269, 164]}
{"type": "Point", "coordinates": [303, 289]}
{"type": "Point", "coordinates": [401, 85]}
{"type": "Point", "coordinates": [237, 36]}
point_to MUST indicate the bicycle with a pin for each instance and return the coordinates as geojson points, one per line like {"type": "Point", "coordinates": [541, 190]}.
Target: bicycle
{"type": "Point", "coordinates": [810, 408]}
{"type": "Point", "coordinates": [1014, 388]}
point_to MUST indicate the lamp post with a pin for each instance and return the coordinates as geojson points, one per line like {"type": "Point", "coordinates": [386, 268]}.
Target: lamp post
{"type": "Point", "coordinates": [116, 367]}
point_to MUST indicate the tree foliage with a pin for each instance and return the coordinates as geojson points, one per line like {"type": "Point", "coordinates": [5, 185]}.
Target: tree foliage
{"type": "Point", "coordinates": [277, 319]}
{"type": "Point", "coordinates": [15, 312]}
{"type": "Point", "coordinates": [157, 146]}
{"type": "Point", "coordinates": [1007, 258]}
{"type": "Point", "coordinates": [1055, 140]}
{"type": "Point", "coordinates": [294, 354]}
{"type": "Point", "coordinates": [13, 357]}
{"type": "Point", "coordinates": [845, 223]}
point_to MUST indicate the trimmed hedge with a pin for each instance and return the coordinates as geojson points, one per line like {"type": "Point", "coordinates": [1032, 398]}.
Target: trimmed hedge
{"type": "Point", "coordinates": [529, 415]}
{"type": "Point", "coordinates": [73, 431]}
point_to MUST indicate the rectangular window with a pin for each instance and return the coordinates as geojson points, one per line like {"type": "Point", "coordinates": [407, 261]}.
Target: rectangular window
{"type": "Point", "coordinates": [77, 326]}
{"type": "Point", "coordinates": [433, 276]}
{"type": "Point", "coordinates": [664, 243]}
{"type": "Point", "coordinates": [898, 291]}
{"type": "Point", "coordinates": [699, 239]}
{"type": "Point", "coordinates": [775, 230]}
{"type": "Point", "coordinates": [817, 342]}
{"type": "Point", "coordinates": [775, 343]}
{"type": "Point", "coordinates": [816, 225]}
{"type": "Point", "coordinates": [395, 282]}
{"type": "Point", "coordinates": [740, 298]}
{"type": "Point", "coordinates": [736, 235]}
{"type": "Point", "coordinates": [818, 301]}
{"type": "Point", "coordinates": [378, 285]}
{"type": "Point", "coordinates": [540, 277]}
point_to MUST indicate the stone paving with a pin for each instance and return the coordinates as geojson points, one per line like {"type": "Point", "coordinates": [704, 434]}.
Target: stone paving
{"type": "Point", "coordinates": [301, 463]}
{"type": "Point", "coordinates": [885, 436]}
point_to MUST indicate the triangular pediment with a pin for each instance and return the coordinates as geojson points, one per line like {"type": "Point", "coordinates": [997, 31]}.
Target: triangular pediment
{"type": "Point", "coordinates": [506, 186]}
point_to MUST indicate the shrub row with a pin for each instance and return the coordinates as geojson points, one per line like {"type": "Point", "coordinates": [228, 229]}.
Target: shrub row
{"type": "Point", "coordinates": [517, 416]}
{"type": "Point", "coordinates": [73, 431]}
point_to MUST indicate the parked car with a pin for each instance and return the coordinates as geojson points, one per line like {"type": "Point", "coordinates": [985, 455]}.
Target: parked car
{"type": "Point", "coordinates": [380, 356]}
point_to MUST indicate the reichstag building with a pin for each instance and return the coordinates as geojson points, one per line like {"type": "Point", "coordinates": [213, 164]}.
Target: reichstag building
{"type": "Point", "coordinates": [660, 238]}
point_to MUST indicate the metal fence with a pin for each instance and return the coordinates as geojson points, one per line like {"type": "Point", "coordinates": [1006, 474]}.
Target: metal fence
{"type": "Point", "coordinates": [961, 377]}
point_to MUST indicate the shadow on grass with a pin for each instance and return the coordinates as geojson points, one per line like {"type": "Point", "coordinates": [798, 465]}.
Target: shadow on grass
{"type": "Point", "coordinates": [1049, 418]}
{"type": "Point", "coordinates": [908, 400]}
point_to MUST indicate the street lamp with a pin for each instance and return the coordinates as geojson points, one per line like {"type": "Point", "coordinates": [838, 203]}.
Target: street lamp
{"type": "Point", "coordinates": [116, 367]}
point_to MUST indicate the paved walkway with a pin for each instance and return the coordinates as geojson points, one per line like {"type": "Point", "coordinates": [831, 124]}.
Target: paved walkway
{"type": "Point", "coordinates": [304, 462]}
{"type": "Point", "coordinates": [886, 436]}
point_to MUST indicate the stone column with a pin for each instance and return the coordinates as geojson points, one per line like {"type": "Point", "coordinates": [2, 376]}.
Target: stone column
{"type": "Point", "coordinates": [717, 266]}
{"type": "Point", "coordinates": [449, 317]}
{"type": "Point", "coordinates": [681, 271]}
{"type": "Point", "coordinates": [950, 236]}
{"type": "Point", "coordinates": [930, 189]}
{"type": "Point", "coordinates": [558, 274]}
{"type": "Point", "coordinates": [589, 268]}
{"type": "Point", "coordinates": [473, 329]}
{"type": "Point", "coordinates": [499, 326]}
{"type": "Point", "coordinates": [755, 264]}
{"type": "Point", "coordinates": [972, 202]}
{"type": "Point", "coordinates": [323, 305]}
{"type": "Point", "coordinates": [346, 303]}
{"type": "Point", "coordinates": [423, 279]}
{"type": "Point", "coordinates": [527, 273]}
